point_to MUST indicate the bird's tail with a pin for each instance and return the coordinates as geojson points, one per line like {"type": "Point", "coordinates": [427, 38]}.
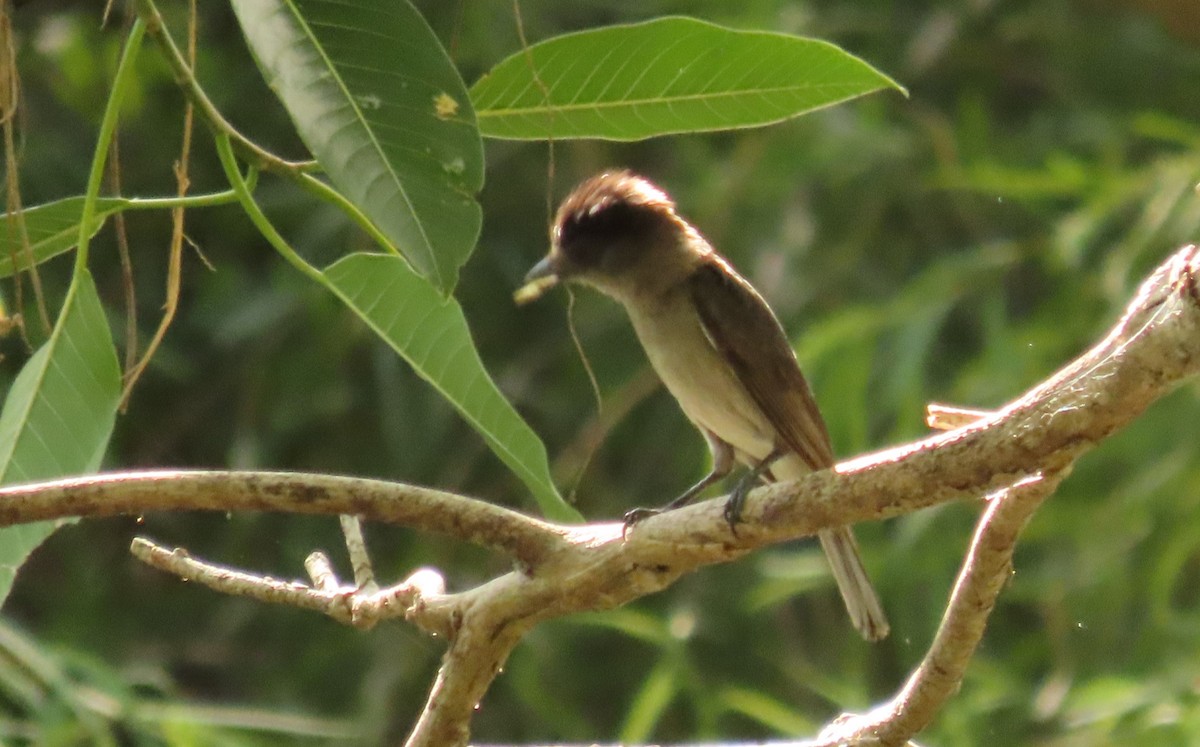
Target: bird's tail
{"type": "Point", "coordinates": [866, 613]}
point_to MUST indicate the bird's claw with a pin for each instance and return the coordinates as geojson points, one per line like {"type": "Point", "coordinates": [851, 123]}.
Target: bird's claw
{"type": "Point", "coordinates": [635, 515]}
{"type": "Point", "coordinates": [733, 509]}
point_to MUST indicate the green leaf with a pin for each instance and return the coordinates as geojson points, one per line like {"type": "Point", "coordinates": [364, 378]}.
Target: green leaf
{"type": "Point", "coordinates": [59, 414]}
{"type": "Point", "coordinates": [379, 103]}
{"type": "Point", "coordinates": [431, 333]}
{"type": "Point", "coordinates": [52, 228]}
{"type": "Point", "coordinates": [664, 76]}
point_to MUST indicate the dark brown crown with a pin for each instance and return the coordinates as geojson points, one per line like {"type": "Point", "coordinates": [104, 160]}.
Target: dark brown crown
{"type": "Point", "coordinates": [613, 209]}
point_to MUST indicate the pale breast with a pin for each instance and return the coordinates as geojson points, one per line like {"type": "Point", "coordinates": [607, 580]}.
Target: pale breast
{"type": "Point", "coordinates": [694, 372]}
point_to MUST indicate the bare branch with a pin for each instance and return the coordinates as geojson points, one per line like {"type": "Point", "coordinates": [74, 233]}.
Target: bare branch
{"type": "Point", "coordinates": [356, 548]}
{"type": "Point", "coordinates": [414, 599]}
{"type": "Point", "coordinates": [320, 570]}
{"type": "Point", "coordinates": [566, 569]}
{"type": "Point", "coordinates": [529, 541]}
{"type": "Point", "coordinates": [986, 569]}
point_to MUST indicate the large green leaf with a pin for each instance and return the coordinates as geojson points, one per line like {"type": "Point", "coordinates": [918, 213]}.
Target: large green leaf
{"type": "Point", "coordinates": [431, 333]}
{"type": "Point", "coordinates": [664, 76]}
{"type": "Point", "coordinates": [378, 102]}
{"type": "Point", "coordinates": [59, 413]}
{"type": "Point", "coordinates": [52, 229]}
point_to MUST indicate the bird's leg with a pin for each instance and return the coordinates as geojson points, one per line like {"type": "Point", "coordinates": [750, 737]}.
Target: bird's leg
{"type": "Point", "coordinates": [737, 499]}
{"type": "Point", "coordinates": [723, 460]}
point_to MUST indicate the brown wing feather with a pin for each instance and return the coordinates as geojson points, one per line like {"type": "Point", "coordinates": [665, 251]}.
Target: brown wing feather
{"type": "Point", "coordinates": [742, 327]}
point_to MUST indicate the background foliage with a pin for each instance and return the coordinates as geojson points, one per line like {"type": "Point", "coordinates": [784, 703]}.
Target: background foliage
{"type": "Point", "coordinates": [955, 246]}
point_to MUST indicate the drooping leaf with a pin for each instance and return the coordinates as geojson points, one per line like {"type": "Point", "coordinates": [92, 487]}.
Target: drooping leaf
{"type": "Point", "coordinates": [59, 413]}
{"type": "Point", "coordinates": [378, 102]}
{"type": "Point", "coordinates": [664, 76]}
{"type": "Point", "coordinates": [431, 333]}
{"type": "Point", "coordinates": [52, 228]}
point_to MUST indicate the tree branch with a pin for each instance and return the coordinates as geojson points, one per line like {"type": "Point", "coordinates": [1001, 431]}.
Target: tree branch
{"type": "Point", "coordinates": [986, 569]}
{"type": "Point", "coordinates": [361, 607]}
{"type": "Point", "coordinates": [565, 569]}
{"type": "Point", "coordinates": [529, 541]}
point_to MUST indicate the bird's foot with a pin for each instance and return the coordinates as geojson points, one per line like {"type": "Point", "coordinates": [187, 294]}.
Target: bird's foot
{"type": "Point", "coordinates": [737, 501]}
{"type": "Point", "coordinates": [733, 514]}
{"type": "Point", "coordinates": [635, 515]}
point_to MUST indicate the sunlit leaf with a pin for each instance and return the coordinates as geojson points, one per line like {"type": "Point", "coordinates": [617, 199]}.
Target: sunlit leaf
{"type": "Point", "coordinates": [379, 103]}
{"type": "Point", "coordinates": [664, 76]}
{"type": "Point", "coordinates": [431, 333]}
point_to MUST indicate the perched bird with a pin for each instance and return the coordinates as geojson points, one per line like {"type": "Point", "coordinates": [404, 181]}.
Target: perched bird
{"type": "Point", "coordinates": [714, 342]}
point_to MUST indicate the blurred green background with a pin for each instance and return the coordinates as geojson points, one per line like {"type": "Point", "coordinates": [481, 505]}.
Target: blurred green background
{"type": "Point", "coordinates": [955, 246]}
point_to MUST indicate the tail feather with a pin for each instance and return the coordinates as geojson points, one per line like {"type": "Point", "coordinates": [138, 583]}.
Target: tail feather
{"type": "Point", "coordinates": [866, 613]}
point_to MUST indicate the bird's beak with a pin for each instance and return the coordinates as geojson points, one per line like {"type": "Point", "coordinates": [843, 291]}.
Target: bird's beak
{"type": "Point", "coordinates": [540, 278]}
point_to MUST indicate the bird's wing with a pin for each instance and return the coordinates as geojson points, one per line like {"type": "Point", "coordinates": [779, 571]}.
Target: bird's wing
{"type": "Point", "coordinates": [740, 325]}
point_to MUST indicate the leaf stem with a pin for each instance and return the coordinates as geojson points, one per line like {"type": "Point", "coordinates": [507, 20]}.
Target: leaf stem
{"type": "Point", "coordinates": [241, 187]}
{"type": "Point", "coordinates": [255, 155]}
{"type": "Point", "coordinates": [211, 199]}
{"type": "Point", "coordinates": [320, 189]}
{"type": "Point", "coordinates": [108, 126]}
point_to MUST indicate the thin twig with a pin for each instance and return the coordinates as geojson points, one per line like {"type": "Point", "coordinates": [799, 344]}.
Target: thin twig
{"type": "Point", "coordinates": [10, 97]}
{"type": "Point", "coordinates": [320, 571]}
{"type": "Point", "coordinates": [128, 289]}
{"type": "Point", "coordinates": [175, 250]}
{"type": "Point", "coordinates": [416, 599]}
{"type": "Point", "coordinates": [356, 548]}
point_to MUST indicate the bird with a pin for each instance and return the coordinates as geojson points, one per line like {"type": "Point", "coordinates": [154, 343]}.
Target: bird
{"type": "Point", "coordinates": [715, 344]}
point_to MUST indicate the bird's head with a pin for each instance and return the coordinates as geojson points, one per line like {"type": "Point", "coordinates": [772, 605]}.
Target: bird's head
{"type": "Point", "coordinates": [619, 233]}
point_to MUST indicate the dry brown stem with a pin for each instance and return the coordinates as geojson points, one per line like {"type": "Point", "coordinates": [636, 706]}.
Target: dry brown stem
{"type": "Point", "coordinates": [1020, 452]}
